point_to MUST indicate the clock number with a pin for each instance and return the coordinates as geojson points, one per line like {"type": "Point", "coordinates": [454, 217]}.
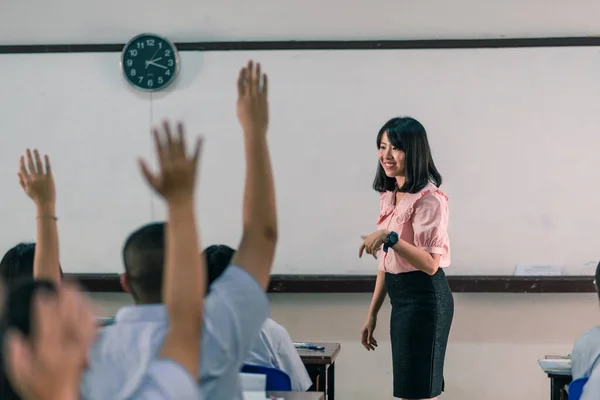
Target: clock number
{"type": "Point", "coordinates": [150, 83]}
{"type": "Point", "coordinates": [160, 45]}
{"type": "Point", "coordinates": [140, 45]}
{"type": "Point", "coordinates": [160, 80]}
{"type": "Point", "coordinates": [170, 63]}
{"type": "Point", "coordinates": [133, 53]}
{"type": "Point", "coordinates": [167, 53]}
{"type": "Point", "coordinates": [129, 62]}
{"type": "Point", "coordinates": [141, 78]}
{"type": "Point", "coordinates": [167, 72]}
{"type": "Point", "coordinates": [132, 72]}
{"type": "Point", "coordinates": [150, 42]}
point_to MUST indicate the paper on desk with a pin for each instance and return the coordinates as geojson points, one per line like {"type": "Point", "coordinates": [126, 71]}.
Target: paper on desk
{"type": "Point", "coordinates": [254, 395]}
{"type": "Point", "coordinates": [556, 365]}
{"type": "Point", "coordinates": [253, 383]}
{"type": "Point", "coordinates": [258, 396]}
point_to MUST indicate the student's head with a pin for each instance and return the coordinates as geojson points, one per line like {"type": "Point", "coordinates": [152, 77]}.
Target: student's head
{"type": "Point", "coordinates": [404, 155]}
{"type": "Point", "coordinates": [17, 315]}
{"type": "Point", "coordinates": [17, 263]}
{"type": "Point", "coordinates": [218, 257]}
{"type": "Point", "coordinates": [143, 258]}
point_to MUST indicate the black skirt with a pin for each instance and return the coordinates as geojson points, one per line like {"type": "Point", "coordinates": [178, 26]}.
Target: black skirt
{"type": "Point", "coordinates": [422, 312]}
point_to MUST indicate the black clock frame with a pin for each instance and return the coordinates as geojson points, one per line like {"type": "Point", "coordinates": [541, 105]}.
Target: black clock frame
{"type": "Point", "coordinates": [132, 57]}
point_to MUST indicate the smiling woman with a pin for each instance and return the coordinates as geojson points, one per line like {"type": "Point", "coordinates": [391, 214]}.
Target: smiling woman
{"type": "Point", "coordinates": [412, 247]}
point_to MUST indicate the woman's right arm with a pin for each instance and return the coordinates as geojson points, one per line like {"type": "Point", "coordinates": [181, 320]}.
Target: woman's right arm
{"type": "Point", "coordinates": [379, 294]}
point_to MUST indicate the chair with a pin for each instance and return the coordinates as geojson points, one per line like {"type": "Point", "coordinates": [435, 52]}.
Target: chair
{"type": "Point", "coordinates": [576, 388]}
{"type": "Point", "coordinates": [277, 380]}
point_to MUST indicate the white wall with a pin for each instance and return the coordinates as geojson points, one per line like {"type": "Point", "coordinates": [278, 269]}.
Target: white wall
{"type": "Point", "coordinates": [496, 338]}
{"type": "Point", "coordinates": [81, 21]}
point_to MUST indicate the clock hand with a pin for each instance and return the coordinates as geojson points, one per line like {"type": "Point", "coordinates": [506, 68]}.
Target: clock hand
{"type": "Point", "coordinates": [155, 64]}
{"type": "Point", "coordinates": [152, 58]}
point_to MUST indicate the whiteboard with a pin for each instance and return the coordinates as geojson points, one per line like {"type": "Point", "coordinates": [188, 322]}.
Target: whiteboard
{"type": "Point", "coordinates": [514, 133]}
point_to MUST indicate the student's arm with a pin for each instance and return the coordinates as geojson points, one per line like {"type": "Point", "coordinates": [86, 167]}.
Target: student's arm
{"type": "Point", "coordinates": [38, 183]}
{"type": "Point", "coordinates": [289, 360]}
{"type": "Point", "coordinates": [257, 248]}
{"type": "Point", "coordinates": [184, 282]}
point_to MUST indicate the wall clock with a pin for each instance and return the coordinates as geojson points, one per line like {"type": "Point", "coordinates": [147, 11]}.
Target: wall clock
{"type": "Point", "coordinates": [150, 62]}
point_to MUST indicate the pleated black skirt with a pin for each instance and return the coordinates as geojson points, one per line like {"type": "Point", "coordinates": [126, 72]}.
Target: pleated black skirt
{"type": "Point", "coordinates": [422, 312]}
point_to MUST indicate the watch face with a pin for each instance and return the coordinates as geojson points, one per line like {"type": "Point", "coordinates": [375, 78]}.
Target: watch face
{"type": "Point", "coordinates": [150, 62]}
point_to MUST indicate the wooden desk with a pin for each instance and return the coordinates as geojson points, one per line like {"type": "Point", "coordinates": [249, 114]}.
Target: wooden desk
{"type": "Point", "coordinates": [298, 395]}
{"type": "Point", "coordinates": [321, 366]}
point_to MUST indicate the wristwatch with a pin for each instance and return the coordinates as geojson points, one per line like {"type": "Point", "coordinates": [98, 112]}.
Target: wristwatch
{"type": "Point", "coordinates": [390, 241]}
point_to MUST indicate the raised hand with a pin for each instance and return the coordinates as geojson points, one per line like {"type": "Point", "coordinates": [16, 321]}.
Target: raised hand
{"type": "Point", "coordinates": [176, 176]}
{"type": "Point", "coordinates": [36, 178]}
{"type": "Point", "coordinates": [50, 362]}
{"type": "Point", "coordinates": [252, 105]}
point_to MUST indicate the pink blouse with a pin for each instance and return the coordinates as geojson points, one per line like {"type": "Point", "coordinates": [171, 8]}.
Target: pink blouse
{"type": "Point", "coordinates": [421, 219]}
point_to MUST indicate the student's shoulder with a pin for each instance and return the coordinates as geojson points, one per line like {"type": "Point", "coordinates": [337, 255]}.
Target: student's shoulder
{"type": "Point", "coordinates": [238, 276]}
{"type": "Point", "coordinates": [238, 291]}
{"type": "Point", "coordinates": [591, 336]}
{"type": "Point", "coordinates": [275, 331]}
{"type": "Point", "coordinates": [272, 327]}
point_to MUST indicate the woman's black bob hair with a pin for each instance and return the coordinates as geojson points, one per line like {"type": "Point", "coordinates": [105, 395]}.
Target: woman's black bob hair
{"type": "Point", "coordinates": [409, 135]}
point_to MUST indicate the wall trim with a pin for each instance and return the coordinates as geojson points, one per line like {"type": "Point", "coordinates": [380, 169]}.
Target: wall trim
{"type": "Point", "coordinates": [366, 283]}
{"type": "Point", "coordinates": [578, 41]}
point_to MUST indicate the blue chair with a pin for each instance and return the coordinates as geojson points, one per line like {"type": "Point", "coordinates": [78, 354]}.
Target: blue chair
{"type": "Point", "coordinates": [576, 388]}
{"type": "Point", "coordinates": [277, 380]}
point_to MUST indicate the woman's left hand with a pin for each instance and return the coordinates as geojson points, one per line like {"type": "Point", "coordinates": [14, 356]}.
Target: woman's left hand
{"type": "Point", "coordinates": [373, 242]}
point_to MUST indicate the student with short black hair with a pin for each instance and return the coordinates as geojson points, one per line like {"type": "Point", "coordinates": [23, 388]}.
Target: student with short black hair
{"type": "Point", "coordinates": [273, 347]}
{"type": "Point", "coordinates": [237, 305]}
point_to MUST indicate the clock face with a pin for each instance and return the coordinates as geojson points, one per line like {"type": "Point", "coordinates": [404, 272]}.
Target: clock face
{"type": "Point", "coordinates": [150, 62]}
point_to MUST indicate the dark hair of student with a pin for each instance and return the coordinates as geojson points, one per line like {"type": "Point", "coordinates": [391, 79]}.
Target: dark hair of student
{"type": "Point", "coordinates": [143, 258]}
{"type": "Point", "coordinates": [17, 263]}
{"type": "Point", "coordinates": [407, 134]}
{"type": "Point", "coordinates": [218, 258]}
{"type": "Point", "coordinates": [17, 315]}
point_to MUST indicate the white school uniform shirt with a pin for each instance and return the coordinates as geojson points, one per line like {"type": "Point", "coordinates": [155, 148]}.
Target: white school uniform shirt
{"type": "Point", "coordinates": [585, 356]}
{"type": "Point", "coordinates": [274, 348]}
{"type": "Point", "coordinates": [167, 380]}
{"type": "Point", "coordinates": [591, 390]}
{"type": "Point", "coordinates": [234, 312]}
